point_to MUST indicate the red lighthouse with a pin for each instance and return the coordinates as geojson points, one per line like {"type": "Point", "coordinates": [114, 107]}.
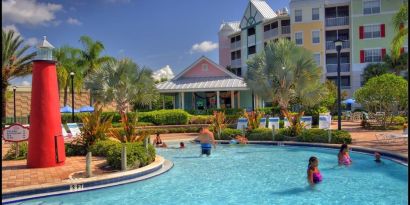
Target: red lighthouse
{"type": "Point", "coordinates": [45, 142]}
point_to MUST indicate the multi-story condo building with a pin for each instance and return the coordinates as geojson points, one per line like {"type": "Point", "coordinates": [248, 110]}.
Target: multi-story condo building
{"type": "Point", "coordinates": [364, 25]}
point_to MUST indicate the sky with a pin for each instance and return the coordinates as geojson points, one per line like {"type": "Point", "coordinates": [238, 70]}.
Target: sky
{"type": "Point", "coordinates": [152, 33]}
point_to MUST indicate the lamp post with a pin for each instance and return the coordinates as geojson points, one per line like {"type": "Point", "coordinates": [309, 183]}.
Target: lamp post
{"type": "Point", "coordinates": [72, 96]}
{"type": "Point", "coordinates": [14, 103]}
{"type": "Point", "coordinates": [338, 44]}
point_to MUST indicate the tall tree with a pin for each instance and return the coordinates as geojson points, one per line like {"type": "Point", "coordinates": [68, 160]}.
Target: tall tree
{"type": "Point", "coordinates": [373, 70]}
{"type": "Point", "coordinates": [67, 61]}
{"type": "Point", "coordinates": [14, 61]}
{"type": "Point", "coordinates": [286, 72]}
{"type": "Point", "coordinates": [400, 20]}
{"type": "Point", "coordinates": [124, 82]}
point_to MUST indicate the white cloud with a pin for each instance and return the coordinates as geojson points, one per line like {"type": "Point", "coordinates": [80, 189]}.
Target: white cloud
{"type": "Point", "coordinates": [29, 11]}
{"type": "Point", "coordinates": [165, 72]}
{"type": "Point", "coordinates": [32, 41]}
{"type": "Point", "coordinates": [12, 27]}
{"type": "Point", "coordinates": [74, 21]}
{"type": "Point", "coordinates": [205, 46]}
{"type": "Point", "coordinates": [25, 83]}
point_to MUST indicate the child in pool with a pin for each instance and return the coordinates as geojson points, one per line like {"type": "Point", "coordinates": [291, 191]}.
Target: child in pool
{"type": "Point", "coordinates": [313, 173]}
{"type": "Point", "coordinates": [343, 156]}
{"type": "Point", "coordinates": [181, 145]}
{"type": "Point", "coordinates": [377, 156]}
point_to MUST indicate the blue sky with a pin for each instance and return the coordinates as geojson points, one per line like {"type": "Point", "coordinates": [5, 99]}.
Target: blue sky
{"type": "Point", "coordinates": [152, 33]}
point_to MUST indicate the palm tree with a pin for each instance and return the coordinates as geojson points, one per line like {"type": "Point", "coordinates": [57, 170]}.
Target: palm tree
{"type": "Point", "coordinates": [373, 70]}
{"type": "Point", "coordinates": [124, 82]}
{"type": "Point", "coordinates": [67, 62]}
{"type": "Point", "coordinates": [395, 64]}
{"type": "Point", "coordinates": [286, 73]}
{"type": "Point", "coordinates": [400, 20]}
{"type": "Point", "coordinates": [14, 61]}
{"type": "Point", "coordinates": [91, 59]}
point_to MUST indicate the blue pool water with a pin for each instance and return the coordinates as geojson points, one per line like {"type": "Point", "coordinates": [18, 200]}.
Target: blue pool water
{"type": "Point", "coordinates": [255, 174]}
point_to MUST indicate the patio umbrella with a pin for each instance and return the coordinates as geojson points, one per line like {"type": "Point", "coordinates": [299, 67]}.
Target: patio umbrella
{"type": "Point", "coordinates": [86, 109]}
{"type": "Point", "coordinates": [349, 101]}
{"type": "Point", "coordinates": [68, 109]}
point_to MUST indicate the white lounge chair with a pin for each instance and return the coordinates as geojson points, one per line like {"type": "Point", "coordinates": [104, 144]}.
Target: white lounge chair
{"type": "Point", "coordinates": [273, 121]}
{"type": "Point", "coordinates": [242, 122]}
{"type": "Point", "coordinates": [64, 132]}
{"type": "Point", "coordinates": [307, 120]}
{"type": "Point", "coordinates": [286, 123]}
{"type": "Point", "coordinates": [262, 123]}
{"type": "Point", "coordinates": [74, 129]}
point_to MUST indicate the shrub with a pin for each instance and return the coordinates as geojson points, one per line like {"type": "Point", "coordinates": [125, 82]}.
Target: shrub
{"type": "Point", "coordinates": [137, 155]}
{"type": "Point", "coordinates": [281, 134]}
{"type": "Point", "coordinates": [397, 120]}
{"type": "Point", "coordinates": [165, 117]}
{"type": "Point", "coordinates": [141, 124]}
{"type": "Point", "coordinates": [200, 119]}
{"type": "Point", "coordinates": [102, 147]}
{"type": "Point", "coordinates": [11, 153]}
{"type": "Point", "coordinates": [72, 149]}
{"type": "Point", "coordinates": [320, 135]}
{"type": "Point", "coordinates": [314, 112]}
{"type": "Point", "coordinates": [261, 134]}
{"type": "Point", "coordinates": [228, 133]}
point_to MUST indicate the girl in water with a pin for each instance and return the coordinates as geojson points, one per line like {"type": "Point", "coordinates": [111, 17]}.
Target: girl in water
{"type": "Point", "coordinates": [313, 173]}
{"type": "Point", "coordinates": [343, 156]}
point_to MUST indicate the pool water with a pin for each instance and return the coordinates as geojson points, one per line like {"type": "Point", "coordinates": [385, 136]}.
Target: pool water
{"type": "Point", "coordinates": [255, 174]}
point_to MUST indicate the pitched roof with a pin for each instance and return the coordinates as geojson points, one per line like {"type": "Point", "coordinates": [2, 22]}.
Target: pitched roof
{"type": "Point", "coordinates": [233, 25]}
{"type": "Point", "coordinates": [264, 9]}
{"type": "Point", "coordinates": [45, 43]}
{"type": "Point", "coordinates": [202, 84]}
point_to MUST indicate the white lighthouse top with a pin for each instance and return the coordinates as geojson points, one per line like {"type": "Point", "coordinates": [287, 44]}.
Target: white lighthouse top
{"type": "Point", "coordinates": [45, 43]}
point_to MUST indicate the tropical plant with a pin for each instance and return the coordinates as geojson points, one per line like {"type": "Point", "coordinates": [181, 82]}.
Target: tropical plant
{"type": "Point", "coordinates": [286, 72]}
{"type": "Point", "coordinates": [129, 131]}
{"type": "Point", "coordinates": [218, 123]}
{"type": "Point", "coordinates": [14, 61]}
{"type": "Point", "coordinates": [400, 20]}
{"type": "Point", "coordinates": [396, 64]}
{"type": "Point", "coordinates": [123, 82]}
{"type": "Point", "coordinates": [373, 70]}
{"type": "Point", "coordinates": [385, 93]}
{"type": "Point", "coordinates": [67, 61]}
{"type": "Point", "coordinates": [254, 118]}
{"type": "Point", "coordinates": [94, 128]}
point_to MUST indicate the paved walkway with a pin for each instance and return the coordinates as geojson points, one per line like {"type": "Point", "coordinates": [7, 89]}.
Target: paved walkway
{"type": "Point", "coordinates": [16, 174]}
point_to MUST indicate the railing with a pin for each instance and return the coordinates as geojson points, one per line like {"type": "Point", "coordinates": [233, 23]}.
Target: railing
{"type": "Point", "coordinates": [330, 45]}
{"type": "Point", "coordinates": [332, 68]}
{"type": "Point", "coordinates": [337, 21]}
{"type": "Point", "coordinates": [271, 33]}
{"type": "Point", "coordinates": [285, 29]}
{"type": "Point", "coordinates": [251, 40]}
{"type": "Point", "coordinates": [236, 44]}
{"type": "Point", "coordinates": [236, 63]}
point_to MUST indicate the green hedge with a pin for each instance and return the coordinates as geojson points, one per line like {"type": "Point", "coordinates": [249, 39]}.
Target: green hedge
{"type": "Point", "coordinates": [164, 117]}
{"type": "Point", "coordinates": [11, 153]}
{"type": "Point", "coordinates": [74, 150]}
{"type": "Point", "coordinates": [260, 134]}
{"type": "Point", "coordinates": [102, 147]}
{"type": "Point", "coordinates": [228, 133]}
{"type": "Point", "coordinates": [200, 119]}
{"type": "Point", "coordinates": [137, 155]}
{"type": "Point", "coordinates": [166, 130]}
{"type": "Point", "coordinates": [320, 135]}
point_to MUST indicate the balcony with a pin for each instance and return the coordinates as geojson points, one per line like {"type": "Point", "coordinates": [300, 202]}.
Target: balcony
{"type": "Point", "coordinates": [330, 45]}
{"type": "Point", "coordinates": [285, 29]}
{"type": "Point", "coordinates": [337, 21]}
{"type": "Point", "coordinates": [251, 40]}
{"type": "Point", "coordinates": [236, 63]}
{"type": "Point", "coordinates": [271, 33]}
{"type": "Point", "coordinates": [332, 68]}
{"type": "Point", "coordinates": [235, 45]}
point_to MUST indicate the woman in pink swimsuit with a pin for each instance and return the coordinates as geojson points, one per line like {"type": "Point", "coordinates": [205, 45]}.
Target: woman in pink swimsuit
{"type": "Point", "coordinates": [313, 173]}
{"type": "Point", "coordinates": [343, 156]}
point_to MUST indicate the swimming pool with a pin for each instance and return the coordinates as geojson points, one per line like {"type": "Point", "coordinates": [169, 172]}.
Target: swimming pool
{"type": "Point", "coordinates": [255, 174]}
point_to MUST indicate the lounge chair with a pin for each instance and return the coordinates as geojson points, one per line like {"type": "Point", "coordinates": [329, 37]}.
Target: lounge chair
{"type": "Point", "coordinates": [262, 123]}
{"type": "Point", "coordinates": [273, 121]}
{"type": "Point", "coordinates": [307, 120]}
{"type": "Point", "coordinates": [286, 123]}
{"type": "Point", "coordinates": [74, 129]}
{"type": "Point", "coordinates": [64, 132]}
{"type": "Point", "coordinates": [324, 121]}
{"type": "Point", "coordinates": [242, 122]}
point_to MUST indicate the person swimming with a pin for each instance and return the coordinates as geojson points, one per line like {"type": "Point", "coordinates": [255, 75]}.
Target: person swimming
{"type": "Point", "coordinates": [181, 145]}
{"type": "Point", "coordinates": [313, 173]}
{"type": "Point", "coordinates": [343, 156]}
{"type": "Point", "coordinates": [206, 137]}
{"type": "Point", "coordinates": [377, 156]}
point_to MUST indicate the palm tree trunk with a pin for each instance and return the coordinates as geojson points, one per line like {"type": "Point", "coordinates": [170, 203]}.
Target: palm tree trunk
{"type": "Point", "coordinates": [65, 95]}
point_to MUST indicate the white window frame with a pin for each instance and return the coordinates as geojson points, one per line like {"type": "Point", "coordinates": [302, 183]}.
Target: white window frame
{"type": "Point", "coordinates": [319, 36]}
{"type": "Point", "coordinates": [373, 28]}
{"type": "Point", "coordinates": [371, 9]}
{"type": "Point", "coordinates": [318, 14]}
{"type": "Point", "coordinates": [372, 56]}
{"type": "Point", "coordinates": [320, 56]}
{"type": "Point", "coordinates": [301, 33]}
{"type": "Point", "coordinates": [301, 15]}
{"type": "Point", "coordinates": [205, 67]}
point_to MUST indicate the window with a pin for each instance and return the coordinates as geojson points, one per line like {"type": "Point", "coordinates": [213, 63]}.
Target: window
{"type": "Point", "coordinates": [251, 50]}
{"type": "Point", "coordinates": [236, 71]}
{"type": "Point", "coordinates": [315, 14]}
{"type": "Point", "coordinates": [299, 38]}
{"type": "Point", "coordinates": [204, 67]}
{"type": "Point", "coordinates": [236, 38]}
{"type": "Point", "coordinates": [316, 56]}
{"type": "Point", "coordinates": [315, 37]}
{"type": "Point", "coordinates": [266, 28]}
{"type": "Point", "coordinates": [372, 31]}
{"type": "Point", "coordinates": [372, 56]}
{"type": "Point", "coordinates": [344, 80]}
{"type": "Point", "coordinates": [371, 7]}
{"type": "Point", "coordinates": [298, 15]}
{"type": "Point", "coordinates": [236, 55]}
{"type": "Point", "coordinates": [251, 31]}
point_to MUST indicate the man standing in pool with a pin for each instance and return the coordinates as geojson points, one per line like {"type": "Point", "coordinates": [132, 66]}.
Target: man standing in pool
{"type": "Point", "coordinates": [206, 137]}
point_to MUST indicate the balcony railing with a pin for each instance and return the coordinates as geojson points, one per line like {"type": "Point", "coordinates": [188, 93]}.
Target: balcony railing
{"type": "Point", "coordinates": [271, 33]}
{"type": "Point", "coordinates": [332, 68]}
{"type": "Point", "coordinates": [285, 29]}
{"type": "Point", "coordinates": [330, 45]}
{"type": "Point", "coordinates": [337, 21]}
{"type": "Point", "coordinates": [235, 45]}
{"type": "Point", "coordinates": [236, 63]}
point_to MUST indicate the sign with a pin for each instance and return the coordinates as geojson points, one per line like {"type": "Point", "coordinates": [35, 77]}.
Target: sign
{"type": "Point", "coordinates": [15, 133]}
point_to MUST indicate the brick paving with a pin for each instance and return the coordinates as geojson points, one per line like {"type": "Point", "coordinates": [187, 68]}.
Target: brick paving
{"type": "Point", "coordinates": [16, 174]}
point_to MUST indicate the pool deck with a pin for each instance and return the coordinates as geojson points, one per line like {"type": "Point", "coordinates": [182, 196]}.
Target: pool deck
{"type": "Point", "coordinates": [15, 174]}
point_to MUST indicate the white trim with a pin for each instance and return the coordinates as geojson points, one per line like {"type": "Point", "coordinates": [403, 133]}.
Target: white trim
{"type": "Point", "coordinates": [318, 30]}
{"type": "Point", "coordinates": [202, 90]}
{"type": "Point", "coordinates": [374, 24]}
{"type": "Point", "coordinates": [380, 7]}
{"type": "Point", "coordinates": [302, 38]}
{"type": "Point", "coordinates": [301, 15]}
{"type": "Point", "coordinates": [320, 57]}
{"type": "Point", "coordinates": [318, 13]}
{"type": "Point", "coordinates": [381, 13]}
